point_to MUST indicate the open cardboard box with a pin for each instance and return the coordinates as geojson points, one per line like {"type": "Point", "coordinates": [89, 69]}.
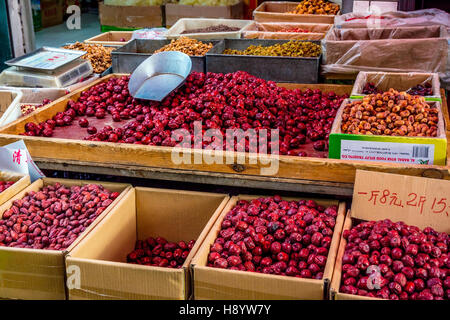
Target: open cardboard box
{"type": "Point", "coordinates": [144, 212]}
{"type": "Point", "coordinates": [398, 81]}
{"type": "Point", "coordinates": [111, 38]}
{"type": "Point", "coordinates": [21, 182]}
{"type": "Point", "coordinates": [39, 273]}
{"type": "Point", "coordinates": [276, 11]}
{"type": "Point", "coordinates": [224, 284]}
{"type": "Point", "coordinates": [406, 188]}
{"type": "Point", "coordinates": [381, 148]}
{"type": "Point", "coordinates": [185, 24]}
{"type": "Point", "coordinates": [271, 30]}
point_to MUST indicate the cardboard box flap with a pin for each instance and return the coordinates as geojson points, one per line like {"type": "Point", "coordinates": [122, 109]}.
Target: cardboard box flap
{"type": "Point", "coordinates": [417, 201]}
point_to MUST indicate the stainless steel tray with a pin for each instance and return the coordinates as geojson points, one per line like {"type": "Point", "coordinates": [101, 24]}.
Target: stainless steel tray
{"type": "Point", "coordinates": [127, 58]}
{"type": "Point", "coordinates": [46, 59]}
{"type": "Point", "coordinates": [278, 69]}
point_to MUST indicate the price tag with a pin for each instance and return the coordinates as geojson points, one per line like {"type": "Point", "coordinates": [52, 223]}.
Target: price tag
{"type": "Point", "coordinates": [15, 157]}
{"type": "Point", "coordinates": [422, 202]}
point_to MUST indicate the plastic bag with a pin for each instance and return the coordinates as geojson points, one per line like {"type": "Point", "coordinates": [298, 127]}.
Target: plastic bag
{"type": "Point", "coordinates": [407, 49]}
{"type": "Point", "coordinates": [214, 3]}
{"type": "Point", "coordinates": [152, 34]}
{"type": "Point", "coordinates": [424, 17]}
{"type": "Point", "coordinates": [272, 31]}
{"type": "Point", "coordinates": [399, 81]}
{"type": "Point", "coordinates": [137, 3]}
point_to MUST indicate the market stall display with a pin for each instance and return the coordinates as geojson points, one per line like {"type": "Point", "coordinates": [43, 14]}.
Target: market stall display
{"type": "Point", "coordinates": [274, 220]}
{"type": "Point", "coordinates": [285, 31]}
{"type": "Point", "coordinates": [308, 11]}
{"type": "Point", "coordinates": [290, 61]}
{"type": "Point", "coordinates": [144, 215]}
{"type": "Point", "coordinates": [397, 249]}
{"type": "Point", "coordinates": [179, 29]}
{"type": "Point", "coordinates": [49, 242]}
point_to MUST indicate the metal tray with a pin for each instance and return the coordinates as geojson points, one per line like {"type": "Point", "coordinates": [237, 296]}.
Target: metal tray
{"type": "Point", "coordinates": [46, 59]}
{"type": "Point", "coordinates": [128, 57]}
{"type": "Point", "coordinates": [278, 69]}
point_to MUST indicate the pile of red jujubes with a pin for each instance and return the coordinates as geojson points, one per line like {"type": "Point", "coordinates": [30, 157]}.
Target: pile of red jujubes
{"type": "Point", "coordinates": [395, 261]}
{"type": "Point", "coordinates": [159, 252]}
{"type": "Point", "coordinates": [274, 236]}
{"type": "Point", "coordinates": [422, 90]}
{"type": "Point", "coordinates": [53, 217]}
{"type": "Point", "coordinates": [5, 185]}
{"type": "Point", "coordinates": [370, 88]}
{"type": "Point", "coordinates": [220, 101]}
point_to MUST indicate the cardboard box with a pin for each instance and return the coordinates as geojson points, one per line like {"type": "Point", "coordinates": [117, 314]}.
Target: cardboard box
{"type": "Point", "coordinates": [275, 11]}
{"type": "Point", "coordinates": [172, 214]}
{"type": "Point", "coordinates": [399, 81]}
{"type": "Point", "coordinates": [195, 23]}
{"type": "Point", "coordinates": [51, 12]}
{"type": "Point", "coordinates": [22, 181]}
{"type": "Point", "coordinates": [175, 11]}
{"type": "Point", "coordinates": [40, 274]}
{"type": "Point", "coordinates": [223, 284]}
{"type": "Point", "coordinates": [271, 30]}
{"type": "Point", "coordinates": [378, 148]}
{"type": "Point", "coordinates": [9, 99]}
{"type": "Point", "coordinates": [130, 16]}
{"type": "Point", "coordinates": [405, 188]}
{"type": "Point", "coordinates": [390, 49]}
{"type": "Point", "coordinates": [111, 38]}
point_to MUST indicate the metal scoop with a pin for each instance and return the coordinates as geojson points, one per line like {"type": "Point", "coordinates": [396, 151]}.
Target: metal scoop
{"type": "Point", "coordinates": [156, 77]}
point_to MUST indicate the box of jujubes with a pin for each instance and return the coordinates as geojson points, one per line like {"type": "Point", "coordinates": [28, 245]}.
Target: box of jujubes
{"type": "Point", "coordinates": [395, 240]}
{"type": "Point", "coordinates": [41, 224]}
{"type": "Point", "coordinates": [270, 247]}
{"type": "Point", "coordinates": [143, 248]}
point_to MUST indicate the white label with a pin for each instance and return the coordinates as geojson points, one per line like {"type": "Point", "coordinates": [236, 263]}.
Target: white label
{"type": "Point", "coordinates": [361, 7]}
{"type": "Point", "coordinates": [387, 152]}
{"type": "Point", "coordinates": [383, 6]}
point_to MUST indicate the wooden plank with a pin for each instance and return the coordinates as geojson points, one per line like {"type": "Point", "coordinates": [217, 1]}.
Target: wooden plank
{"type": "Point", "coordinates": [200, 177]}
{"type": "Point", "coordinates": [114, 154]}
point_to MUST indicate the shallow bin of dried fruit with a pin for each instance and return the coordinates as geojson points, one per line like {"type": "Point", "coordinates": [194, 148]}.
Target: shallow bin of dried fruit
{"type": "Point", "coordinates": [269, 248]}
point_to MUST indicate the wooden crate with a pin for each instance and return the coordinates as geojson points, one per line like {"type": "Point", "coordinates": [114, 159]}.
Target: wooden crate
{"type": "Point", "coordinates": [130, 156]}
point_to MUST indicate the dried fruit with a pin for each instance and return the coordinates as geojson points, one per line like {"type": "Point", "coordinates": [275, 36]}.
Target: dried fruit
{"type": "Point", "coordinates": [288, 49]}
{"type": "Point", "coordinates": [53, 217]}
{"type": "Point", "coordinates": [191, 47]}
{"type": "Point", "coordinates": [392, 113]}
{"type": "Point", "coordinates": [159, 252]}
{"type": "Point", "coordinates": [273, 243]}
{"type": "Point", "coordinates": [396, 275]}
{"type": "Point", "coordinates": [316, 7]}
{"type": "Point", "coordinates": [98, 55]}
